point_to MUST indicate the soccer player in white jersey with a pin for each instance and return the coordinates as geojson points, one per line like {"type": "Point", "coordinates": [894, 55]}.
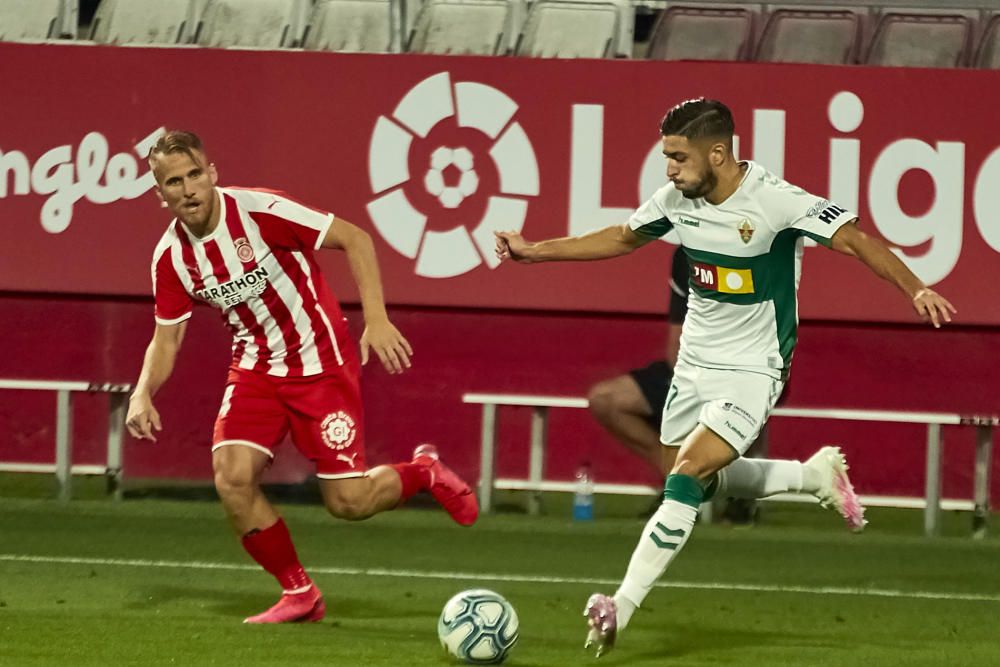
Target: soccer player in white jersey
{"type": "Point", "coordinates": [742, 229]}
{"type": "Point", "coordinates": [294, 367]}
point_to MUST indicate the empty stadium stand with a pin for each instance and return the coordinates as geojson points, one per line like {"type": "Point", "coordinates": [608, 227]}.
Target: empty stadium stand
{"type": "Point", "coordinates": [702, 32]}
{"type": "Point", "coordinates": [143, 22]}
{"type": "Point", "coordinates": [988, 54]}
{"type": "Point", "coordinates": [260, 24]}
{"type": "Point", "coordinates": [921, 39]}
{"type": "Point", "coordinates": [577, 29]}
{"type": "Point", "coordinates": [811, 35]}
{"type": "Point", "coordinates": [359, 26]}
{"type": "Point", "coordinates": [893, 33]}
{"type": "Point", "coordinates": [463, 27]}
{"type": "Point", "coordinates": [31, 20]}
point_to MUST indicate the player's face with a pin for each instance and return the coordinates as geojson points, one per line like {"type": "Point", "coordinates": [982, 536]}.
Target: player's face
{"type": "Point", "coordinates": [187, 186]}
{"type": "Point", "coordinates": [688, 167]}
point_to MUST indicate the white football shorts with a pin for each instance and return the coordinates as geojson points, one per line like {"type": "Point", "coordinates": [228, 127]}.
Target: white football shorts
{"type": "Point", "coordinates": [733, 404]}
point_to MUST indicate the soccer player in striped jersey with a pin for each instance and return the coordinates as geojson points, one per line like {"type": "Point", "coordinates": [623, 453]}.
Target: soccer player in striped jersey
{"type": "Point", "coordinates": [742, 229]}
{"type": "Point", "coordinates": [294, 368]}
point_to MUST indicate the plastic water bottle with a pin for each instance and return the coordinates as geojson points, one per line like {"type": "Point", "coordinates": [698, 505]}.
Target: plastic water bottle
{"type": "Point", "coordinates": [583, 494]}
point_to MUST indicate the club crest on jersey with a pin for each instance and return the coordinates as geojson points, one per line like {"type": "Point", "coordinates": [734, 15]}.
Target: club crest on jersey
{"type": "Point", "coordinates": [338, 430]}
{"type": "Point", "coordinates": [244, 250]}
{"type": "Point", "coordinates": [746, 230]}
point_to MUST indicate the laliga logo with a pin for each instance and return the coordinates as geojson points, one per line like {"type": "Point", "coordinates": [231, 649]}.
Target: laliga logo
{"type": "Point", "coordinates": [444, 254]}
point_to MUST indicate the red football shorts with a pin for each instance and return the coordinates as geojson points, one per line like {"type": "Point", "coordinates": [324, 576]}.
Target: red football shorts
{"type": "Point", "coordinates": [323, 413]}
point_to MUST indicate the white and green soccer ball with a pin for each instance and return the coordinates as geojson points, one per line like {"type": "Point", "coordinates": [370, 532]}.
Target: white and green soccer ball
{"type": "Point", "coordinates": [478, 627]}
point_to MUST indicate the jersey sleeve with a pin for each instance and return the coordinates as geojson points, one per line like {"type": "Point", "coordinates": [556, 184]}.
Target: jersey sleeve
{"type": "Point", "coordinates": [679, 275]}
{"type": "Point", "coordinates": [651, 220]}
{"type": "Point", "coordinates": [285, 223]}
{"type": "Point", "coordinates": [811, 216]}
{"type": "Point", "coordinates": [172, 303]}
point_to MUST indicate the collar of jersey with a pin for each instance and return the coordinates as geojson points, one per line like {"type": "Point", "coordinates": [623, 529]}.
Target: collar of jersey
{"type": "Point", "coordinates": [750, 165]}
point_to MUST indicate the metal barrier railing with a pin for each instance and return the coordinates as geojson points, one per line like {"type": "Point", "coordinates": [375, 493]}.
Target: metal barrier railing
{"type": "Point", "coordinates": [540, 406]}
{"type": "Point", "coordinates": [63, 466]}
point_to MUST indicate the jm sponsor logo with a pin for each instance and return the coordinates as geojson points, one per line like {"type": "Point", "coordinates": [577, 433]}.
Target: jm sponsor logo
{"type": "Point", "coordinates": [721, 279]}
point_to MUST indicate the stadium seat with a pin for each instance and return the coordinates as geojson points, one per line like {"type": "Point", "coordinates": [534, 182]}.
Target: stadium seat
{"type": "Point", "coordinates": [357, 26]}
{"type": "Point", "coordinates": [810, 35]}
{"type": "Point", "coordinates": [142, 22]}
{"type": "Point", "coordinates": [921, 39]}
{"type": "Point", "coordinates": [27, 20]}
{"type": "Point", "coordinates": [988, 55]}
{"type": "Point", "coordinates": [197, 11]}
{"type": "Point", "coordinates": [577, 29]}
{"type": "Point", "coordinates": [463, 27]}
{"type": "Point", "coordinates": [258, 24]}
{"type": "Point", "coordinates": [702, 32]}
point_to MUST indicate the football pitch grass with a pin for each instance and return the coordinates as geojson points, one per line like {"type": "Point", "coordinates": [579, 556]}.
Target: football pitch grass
{"type": "Point", "coordinates": [163, 582]}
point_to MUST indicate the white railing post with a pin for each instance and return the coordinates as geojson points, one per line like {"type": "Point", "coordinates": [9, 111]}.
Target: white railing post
{"type": "Point", "coordinates": [64, 444]}
{"type": "Point", "coordinates": [536, 464]}
{"type": "Point", "coordinates": [932, 490]}
{"type": "Point", "coordinates": [487, 457]}
{"type": "Point", "coordinates": [981, 493]}
{"type": "Point", "coordinates": [116, 423]}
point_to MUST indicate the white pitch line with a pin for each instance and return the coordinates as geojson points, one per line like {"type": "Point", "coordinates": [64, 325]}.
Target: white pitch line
{"type": "Point", "coordinates": [515, 578]}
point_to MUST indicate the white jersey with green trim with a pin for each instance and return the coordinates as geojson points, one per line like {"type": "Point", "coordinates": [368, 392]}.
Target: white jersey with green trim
{"type": "Point", "coordinates": [746, 258]}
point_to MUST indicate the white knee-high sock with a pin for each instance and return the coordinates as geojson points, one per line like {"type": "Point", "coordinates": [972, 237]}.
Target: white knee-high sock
{"type": "Point", "coordinates": [760, 478]}
{"type": "Point", "coordinates": [662, 539]}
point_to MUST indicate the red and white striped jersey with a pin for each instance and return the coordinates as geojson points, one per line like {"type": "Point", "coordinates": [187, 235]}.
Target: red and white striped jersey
{"type": "Point", "coordinates": [257, 266]}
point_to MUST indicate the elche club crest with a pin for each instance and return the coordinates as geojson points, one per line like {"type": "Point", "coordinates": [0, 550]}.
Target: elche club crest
{"type": "Point", "coordinates": [244, 250]}
{"type": "Point", "coordinates": [338, 430]}
{"type": "Point", "coordinates": [746, 230]}
{"type": "Point", "coordinates": [431, 120]}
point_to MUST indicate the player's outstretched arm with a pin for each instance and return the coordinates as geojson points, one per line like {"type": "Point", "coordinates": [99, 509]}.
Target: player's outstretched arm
{"type": "Point", "coordinates": [157, 365]}
{"type": "Point", "coordinates": [928, 304]}
{"type": "Point", "coordinates": [380, 334]}
{"type": "Point", "coordinates": [604, 243]}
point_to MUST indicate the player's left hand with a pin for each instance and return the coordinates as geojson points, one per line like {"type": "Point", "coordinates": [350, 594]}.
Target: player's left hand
{"type": "Point", "coordinates": [932, 307]}
{"type": "Point", "coordinates": [392, 349]}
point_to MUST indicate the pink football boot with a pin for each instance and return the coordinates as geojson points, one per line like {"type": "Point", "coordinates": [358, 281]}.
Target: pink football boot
{"type": "Point", "coordinates": [448, 488]}
{"type": "Point", "coordinates": [304, 607]}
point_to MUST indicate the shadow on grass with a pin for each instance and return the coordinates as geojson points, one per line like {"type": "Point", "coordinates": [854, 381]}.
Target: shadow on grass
{"type": "Point", "coordinates": [678, 642]}
{"type": "Point", "coordinates": [245, 603]}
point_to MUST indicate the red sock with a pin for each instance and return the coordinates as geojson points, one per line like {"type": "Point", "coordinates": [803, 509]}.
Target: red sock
{"type": "Point", "coordinates": [414, 478]}
{"type": "Point", "coordinates": [273, 550]}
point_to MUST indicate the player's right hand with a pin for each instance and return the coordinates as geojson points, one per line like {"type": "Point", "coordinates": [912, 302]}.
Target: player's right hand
{"type": "Point", "coordinates": [932, 307]}
{"type": "Point", "coordinates": [142, 418]}
{"type": "Point", "coordinates": [511, 245]}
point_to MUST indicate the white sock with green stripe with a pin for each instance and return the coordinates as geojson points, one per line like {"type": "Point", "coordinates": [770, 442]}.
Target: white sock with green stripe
{"type": "Point", "coordinates": [760, 478]}
{"type": "Point", "coordinates": [663, 538]}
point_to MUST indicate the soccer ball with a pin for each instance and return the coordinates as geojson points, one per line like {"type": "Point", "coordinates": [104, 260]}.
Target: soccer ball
{"type": "Point", "coordinates": [478, 627]}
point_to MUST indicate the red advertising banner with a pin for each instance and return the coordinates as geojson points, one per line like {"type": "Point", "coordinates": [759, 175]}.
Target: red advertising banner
{"type": "Point", "coordinates": [430, 154]}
